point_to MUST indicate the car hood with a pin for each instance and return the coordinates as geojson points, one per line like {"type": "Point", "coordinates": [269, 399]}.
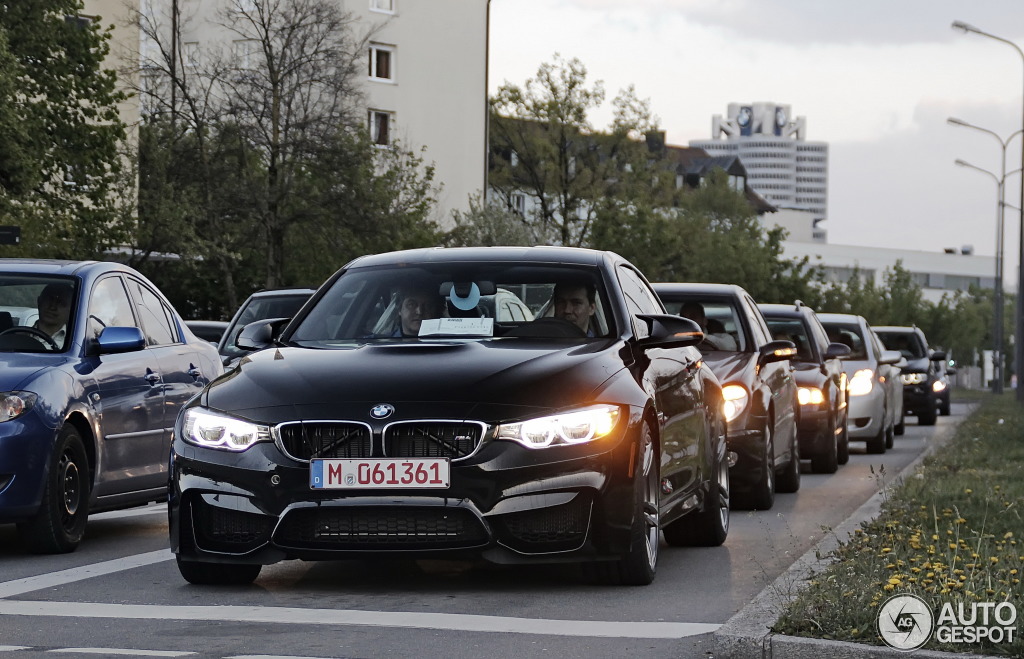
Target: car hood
{"type": "Point", "coordinates": [18, 368]}
{"type": "Point", "coordinates": [479, 379]}
{"type": "Point", "coordinates": [919, 365]}
{"type": "Point", "coordinates": [732, 366]}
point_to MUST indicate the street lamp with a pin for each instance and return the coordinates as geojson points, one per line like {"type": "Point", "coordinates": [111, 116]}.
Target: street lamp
{"type": "Point", "coordinates": [997, 307]}
{"type": "Point", "coordinates": [1018, 321]}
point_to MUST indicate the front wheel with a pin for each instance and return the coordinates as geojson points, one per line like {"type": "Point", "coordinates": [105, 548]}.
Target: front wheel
{"type": "Point", "coordinates": [827, 460]}
{"type": "Point", "coordinates": [761, 495]}
{"type": "Point", "coordinates": [58, 526]}
{"type": "Point", "coordinates": [926, 417]}
{"type": "Point", "coordinates": [709, 526]}
{"type": "Point", "coordinates": [843, 449]}
{"type": "Point", "coordinates": [218, 574]}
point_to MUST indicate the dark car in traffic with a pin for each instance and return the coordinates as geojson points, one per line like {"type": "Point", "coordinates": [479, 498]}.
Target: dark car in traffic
{"type": "Point", "coordinates": [818, 369]}
{"type": "Point", "coordinates": [925, 384]}
{"type": "Point", "coordinates": [263, 304]}
{"type": "Point", "coordinates": [757, 384]}
{"type": "Point", "coordinates": [96, 366]}
{"type": "Point", "coordinates": [403, 413]}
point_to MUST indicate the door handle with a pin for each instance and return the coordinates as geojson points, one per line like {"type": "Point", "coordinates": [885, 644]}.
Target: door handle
{"type": "Point", "coordinates": [194, 372]}
{"type": "Point", "coordinates": [151, 377]}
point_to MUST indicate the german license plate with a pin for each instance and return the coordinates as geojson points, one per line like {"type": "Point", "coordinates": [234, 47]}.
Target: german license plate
{"type": "Point", "coordinates": [340, 474]}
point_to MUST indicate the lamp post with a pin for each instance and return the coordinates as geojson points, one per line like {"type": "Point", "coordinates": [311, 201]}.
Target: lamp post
{"type": "Point", "coordinates": [1018, 321]}
{"type": "Point", "coordinates": [997, 305]}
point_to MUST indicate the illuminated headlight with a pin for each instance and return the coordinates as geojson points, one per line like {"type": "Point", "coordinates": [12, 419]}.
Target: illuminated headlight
{"type": "Point", "coordinates": [571, 427]}
{"type": "Point", "coordinates": [913, 378]}
{"type": "Point", "coordinates": [205, 428]}
{"type": "Point", "coordinates": [735, 399]}
{"type": "Point", "coordinates": [938, 386]}
{"type": "Point", "coordinates": [861, 382]}
{"type": "Point", "coordinates": [15, 403]}
{"type": "Point", "coordinates": [810, 396]}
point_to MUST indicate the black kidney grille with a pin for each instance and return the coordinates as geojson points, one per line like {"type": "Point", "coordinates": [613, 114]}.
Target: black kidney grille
{"type": "Point", "coordinates": [306, 440]}
{"type": "Point", "coordinates": [380, 527]}
{"type": "Point", "coordinates": [432, 439]}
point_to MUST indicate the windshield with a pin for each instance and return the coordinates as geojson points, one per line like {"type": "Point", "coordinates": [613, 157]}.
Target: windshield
{"type": "Point", "coordinates": [35, 312]}
{"type": "Point", "coordinates": [792, 329]}
{"type": "Point", "coordinates": [458, 300]}
{"type": "Point", "coordinates": [848, 334]}
{"type": "Point", "coordinates": [716, 317]}
{"type": "Point", "coordinates": [283, 305]}
{"type": "Point", "coordinates": [908, 343]}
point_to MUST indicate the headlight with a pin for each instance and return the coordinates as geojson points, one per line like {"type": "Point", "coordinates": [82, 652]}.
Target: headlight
{"type": "Point", "coordinates": [735, 398]}
{"type": "Point", "coordinates": [572, 427]}
{"type": "Point", "coordinates": [810, 396]}
{"type": "Point", "coordinates": [913, 378]}
{"type": "Point", "coordinates": [15, 403]}
{"type": "Point", "coordinates": [938, 386]}
{"type": "Point", "coordinates": [861, 382]}
{"type": "Point", "coordinates": [205, 428]}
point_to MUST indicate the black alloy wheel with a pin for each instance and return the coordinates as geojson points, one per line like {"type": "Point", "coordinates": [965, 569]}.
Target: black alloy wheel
{"type": "Point", "coordinates": [826, 461]}
{"type": "Point", "coordinates": [789, 480]}
{"type": "Point", "coordinates": [709, 526]}
{"type": "Point", "coordinates": [761, 496]}
{"type": "Point", "coordinates": [58, 526]}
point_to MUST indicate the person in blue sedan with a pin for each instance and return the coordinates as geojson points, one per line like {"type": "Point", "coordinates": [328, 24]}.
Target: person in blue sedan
{"type": "Point", "coordinates": [54, 304]}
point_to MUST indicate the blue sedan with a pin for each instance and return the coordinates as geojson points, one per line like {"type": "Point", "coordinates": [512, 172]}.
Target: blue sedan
{"type": "Point", "coordinates": [95, 366]}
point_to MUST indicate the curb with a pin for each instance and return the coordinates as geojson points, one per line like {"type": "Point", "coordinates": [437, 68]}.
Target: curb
{"type": "Point", "coordinates": [748, 635]}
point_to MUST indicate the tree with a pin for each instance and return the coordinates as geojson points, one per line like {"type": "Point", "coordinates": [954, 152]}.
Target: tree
{"type": "Point", "coordinates": [543, 146]}
{"type": "Point", "coordinates": [60, 132]}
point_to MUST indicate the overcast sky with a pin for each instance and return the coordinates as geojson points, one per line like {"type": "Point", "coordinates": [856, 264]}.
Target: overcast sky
{"type": "Point", "coordinates": [875, 79]}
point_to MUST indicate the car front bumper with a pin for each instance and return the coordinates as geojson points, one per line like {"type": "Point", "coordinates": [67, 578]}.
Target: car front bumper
{"type": "Point", "coordinates": [866, 414]}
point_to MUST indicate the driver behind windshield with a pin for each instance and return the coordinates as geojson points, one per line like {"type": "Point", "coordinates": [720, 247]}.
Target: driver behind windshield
{"type": "Point", "coordinates": [417, 305]}
{"type": "Point", "coordinates": [575, 303]}
{"type": "Point", "coordinates": [54, 304]}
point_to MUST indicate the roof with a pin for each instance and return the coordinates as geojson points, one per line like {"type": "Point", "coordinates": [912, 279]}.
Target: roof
{"type": "Point", "coordinates": [841, 318]}
{"type": "Point", "coordinates": [791, 310]}
{"type": "Point", "coordinates": [49, 266]}
{"type": "Point", "coordinates": [687, 288]}
{"type": "Point", "coordinates": [539, 254]}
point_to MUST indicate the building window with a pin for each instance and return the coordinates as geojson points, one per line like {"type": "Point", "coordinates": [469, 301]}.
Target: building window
{"type": "Point", "coordinates": [380, 127]}
{"type": "Point", "coordinates": [244, 52]}
{"type": "Point", "coordinates": [386, 6]}
{"type": "Point", "coordinates": [382, 64]}
{"type": "Point", "coordinates": [190, 53]}
{"type": "Point", "coordinates": [517, 203]}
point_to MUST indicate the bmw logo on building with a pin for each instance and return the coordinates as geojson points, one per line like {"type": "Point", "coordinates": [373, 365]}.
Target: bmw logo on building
{"type": "Point", "coordinates": [382, 411]}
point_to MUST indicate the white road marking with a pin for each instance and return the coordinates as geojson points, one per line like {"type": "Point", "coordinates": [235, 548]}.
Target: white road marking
{"type": "Point", "coordinates": [296, 616]}
{"type": "Point", "coordinates": [109, 652]}
{"type": "Point", "coordinates": [49, 580]}
{"type": "Point", "coordinates": [13, 648]}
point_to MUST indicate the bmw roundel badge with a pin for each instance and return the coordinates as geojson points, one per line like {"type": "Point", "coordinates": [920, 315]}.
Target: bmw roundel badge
{"type": "Point", "coordinates": [382, 411]}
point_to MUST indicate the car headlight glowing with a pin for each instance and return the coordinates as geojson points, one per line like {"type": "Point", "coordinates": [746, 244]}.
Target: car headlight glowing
{"type": "Point", "coordinates": [862, 382]}
{"type": "Point", "coordinates": [15, 403]}
{"type": "Point", "coordinates": [938, 386]}
{"type": "Point", "coordinates": [913, 378]}
{"type": "Point", "coordinates": [205, 428]}
{"type": "Point", "coordinates": [571, 427]}
{"type": "Point", "coordinates": [810, 396]}
{"type": "Point", "coordinates": [734, 401]}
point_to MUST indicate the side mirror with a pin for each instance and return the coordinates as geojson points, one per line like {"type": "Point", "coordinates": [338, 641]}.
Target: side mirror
{"type": "Point", "coordinates": [938, 356]}
{"type": "Point", "coordinates": [890, 357]}
{"type": "Point", "coordinates": [260, 334]}
{"type": "Point", "coordinates": [668, 331]}
{"type": "Point", "coordinates": [837, 351]}
{"type": "Point", "coordinates": [777, 351]}
{"type": "Point", "coordinates": [120, 339]}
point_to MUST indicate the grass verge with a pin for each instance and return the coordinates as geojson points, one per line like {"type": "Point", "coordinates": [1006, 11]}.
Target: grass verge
{"type": "Point", "coordinates": [951, 533]}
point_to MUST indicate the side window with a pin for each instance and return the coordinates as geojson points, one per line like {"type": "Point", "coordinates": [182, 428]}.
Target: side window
{"type": "Point", "coordinates": [155, 323]}
{"type": "Point", "coordinates": [757, 324]}
{"type": "Point", "coordinates": [640, 299]}
{"type": "Point", "coordinates": [109, 306]}
{"type": "Point", "coordinates": [818, 334]}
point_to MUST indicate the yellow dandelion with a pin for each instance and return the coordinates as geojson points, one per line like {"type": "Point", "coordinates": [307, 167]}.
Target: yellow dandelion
{"type": "Point", "coordinates": [994, 559]}
{"type": "Point", "coordinates": [1008, 535]}
{"type": "Point", "coordinates": [968, 491]}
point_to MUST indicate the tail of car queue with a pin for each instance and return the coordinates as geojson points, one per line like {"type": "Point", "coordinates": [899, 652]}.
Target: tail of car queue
{"type": "Point", "coordinates": [96, 366]}
{"type": "Point", "coordinates": [515, 405]}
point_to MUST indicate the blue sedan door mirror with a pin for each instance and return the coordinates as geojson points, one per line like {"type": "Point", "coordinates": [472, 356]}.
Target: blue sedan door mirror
{"type": "Point", "coordinates": [120, 339]}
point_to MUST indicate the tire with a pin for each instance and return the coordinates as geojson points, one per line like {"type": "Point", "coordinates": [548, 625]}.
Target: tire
{"type": "Point", "coordinates": [709, 526]}
{"type": "Point", "coordinates": [761, 496]}
{"type": "Point", "coordinates": [789, 480]}
{"type": "Point", "coordinates": [944, 407]}
{"type": "Point", "coordinates": [827, 461]}
{"type": "Point", "coordinates": [890, 436]}
{"type": "Point", "coordinates": [901, 427]}
{"type": "Point", "coordinates": [218, 574]}
{"type": "Point", "coordinates": [878, 443]}
{"type": "Point", "coordinates": [58, 526]}
{"type": "Point", "coordinates": [926, 417]}
{"type": "Point", "coordinates": [843, 450]}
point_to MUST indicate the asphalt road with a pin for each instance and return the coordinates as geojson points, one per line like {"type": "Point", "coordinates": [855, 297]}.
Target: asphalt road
{"type": "Point", "coordinates": [121, 595]}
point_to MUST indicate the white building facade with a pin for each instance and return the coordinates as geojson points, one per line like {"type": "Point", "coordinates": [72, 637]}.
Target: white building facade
{"type": "Point", "coordinates": [424, 77]}
{"type": "Point", "coordinates": [782, 166]}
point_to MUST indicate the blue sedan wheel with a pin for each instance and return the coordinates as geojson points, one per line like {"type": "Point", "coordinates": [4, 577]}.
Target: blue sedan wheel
{"type": "Point", "coordinates": [60, 523]}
